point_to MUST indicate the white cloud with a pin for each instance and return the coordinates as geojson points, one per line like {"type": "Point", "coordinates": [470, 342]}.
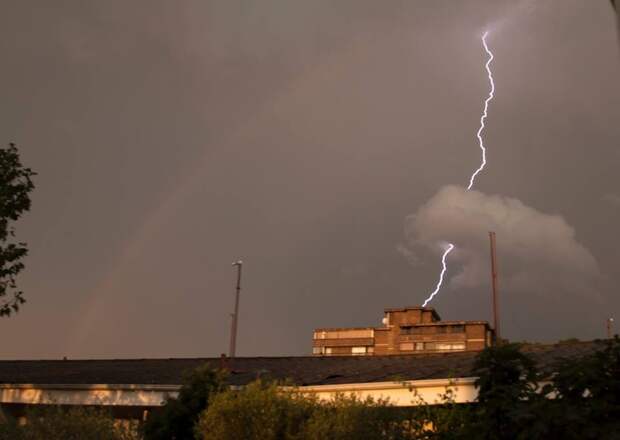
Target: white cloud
{"type": "Point", "coordinates": [537, 252]}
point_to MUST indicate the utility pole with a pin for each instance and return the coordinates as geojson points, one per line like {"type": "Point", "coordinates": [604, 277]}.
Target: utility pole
{"type": "Point", "coordinates": [610, 322]}
{"type": "Point", "coordinates": [494, 284]}
{"type": "Point", "coordinates": [235, 316]}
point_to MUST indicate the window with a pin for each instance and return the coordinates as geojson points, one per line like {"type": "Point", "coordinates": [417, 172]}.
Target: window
{"type": "Point", "coordinates": [414, 330]}
{"type": "Point", "coordinates": [370, 349]}
{"type": "Point", "coordinates": [406, 346]}
{"type": "Point", "coordinates": [328, 350]}
{"type": "Point", "coordinates": [442, 329]}
{"type": "Point", "coordinates": [458, 328]}
{"type": "Point", "coordinates": [317, 350]}
{"type": "Point", "coordinates": [450, 346]}
{"type": "Point", "coordinates": [419, 346]}
{"type": "Point", "coordinates": [405, 330]}
{"type": "Point", "coordinates": [358, 350]}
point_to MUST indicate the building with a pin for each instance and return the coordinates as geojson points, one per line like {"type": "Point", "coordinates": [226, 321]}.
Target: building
{"type": "Point", "coordinates": [132, 388]}
{"type": "Point", "coordinates": [405, 330]}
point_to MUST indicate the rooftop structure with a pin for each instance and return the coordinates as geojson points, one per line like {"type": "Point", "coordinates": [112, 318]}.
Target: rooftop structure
{"type": "Point", "coordinates": [406, 330]}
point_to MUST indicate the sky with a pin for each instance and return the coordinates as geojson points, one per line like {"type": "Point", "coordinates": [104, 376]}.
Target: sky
{"type": "Point", "coordinates": [325, 143]}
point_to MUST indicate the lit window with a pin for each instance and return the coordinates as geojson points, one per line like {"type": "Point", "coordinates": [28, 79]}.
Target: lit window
{"type": "Point", "coordinates": [406, 346]}
{"type": "Point", "coordinates": [370, 349]}
{"type": "Point", "coordinates": [328, 350]}
{"type": "Point", "coordinates": [419, 346]}
{"type": "Point", "coordinates": [358, 350]}
{"type": "Point", "coordinates": [317, 350]}
{"type": "Point", "coordinates": [320, 335]}
{"type": "Point", "coordinates": [455, 346]}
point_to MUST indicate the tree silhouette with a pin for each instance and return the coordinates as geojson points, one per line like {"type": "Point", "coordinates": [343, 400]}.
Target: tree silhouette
{"type": "Point", "coordinates": [15, 187]}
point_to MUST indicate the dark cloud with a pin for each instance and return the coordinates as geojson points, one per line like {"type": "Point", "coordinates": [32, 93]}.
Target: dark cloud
{"type": "Point", "coordinates": [172, 138]}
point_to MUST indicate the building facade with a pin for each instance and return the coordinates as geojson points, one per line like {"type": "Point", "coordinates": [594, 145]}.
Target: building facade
{"type": "Point", "coordinates": [407, 330]}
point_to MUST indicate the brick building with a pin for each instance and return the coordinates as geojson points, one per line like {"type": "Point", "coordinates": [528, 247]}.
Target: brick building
{"type": "Point", "coordinates": [405, 331]}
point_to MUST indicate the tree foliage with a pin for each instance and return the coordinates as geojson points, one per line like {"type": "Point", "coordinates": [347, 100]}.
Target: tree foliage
{"type": "Point", "coordinates": [587, 396]}
{"type": "Point", "coordinates": [349, 417]}
{"type": "Point", "coordinates": [260, 411]}
{"type": "Point", "coordinates": [265, 411]}
{"type": "Point", "coordinates": [507, 389]}
{"type": "Point", "coordinates": [176, 419]}
{"type": "Point", "coordinates": [575, 399]}
{"type": "Point", "coordinates": [15, 187]}
{"type": "Point", "coordinates": [72, 423]}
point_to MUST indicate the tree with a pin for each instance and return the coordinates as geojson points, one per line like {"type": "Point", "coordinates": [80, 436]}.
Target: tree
{"type": "Point", "coordinates": [587, 395]}
{"type": "Point", "coordinates": [176, 419]}
{"type": "Point", "coordinates": [15, 187]}
{"type": "Point", "coordinates": [507, 393]}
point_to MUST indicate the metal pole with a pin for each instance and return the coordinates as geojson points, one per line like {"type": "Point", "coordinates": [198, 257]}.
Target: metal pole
{"type": "Point", "coordinates": [609, 324]}
{"type": "Point", "coordinates": [494, 283]}
{"type": "Point", "coordinates": [235, 316]}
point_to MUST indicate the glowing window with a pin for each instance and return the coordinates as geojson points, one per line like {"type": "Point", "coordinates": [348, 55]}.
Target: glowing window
{"type": "Point", "coordinates": [406, 346]}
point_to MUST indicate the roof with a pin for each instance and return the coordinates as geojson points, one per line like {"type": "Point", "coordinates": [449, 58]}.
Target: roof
{"type": "Point", "coordinates": [404, 309]}
{"type": "Point", "coordinates": [404, 324]}
{"type": "Point", "coordinates": [306, 370]}
{"type": "Point", "coordinates": [339, 329]}
{"type": "Point", "coordinates": [440, 323]}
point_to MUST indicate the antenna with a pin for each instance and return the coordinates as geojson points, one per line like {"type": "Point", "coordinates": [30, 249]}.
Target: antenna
{"type": "Point", "coordinates": [235, 316]}
{"type": "Point", "coordinates": [494, 284]}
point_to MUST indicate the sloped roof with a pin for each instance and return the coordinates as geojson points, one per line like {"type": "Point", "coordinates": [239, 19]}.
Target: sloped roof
{"type": "Point", "coordinates": [304, 370]}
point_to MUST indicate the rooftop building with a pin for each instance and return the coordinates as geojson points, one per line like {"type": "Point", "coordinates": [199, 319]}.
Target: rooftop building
{"type": "Point", "coordinates": [406, 330]}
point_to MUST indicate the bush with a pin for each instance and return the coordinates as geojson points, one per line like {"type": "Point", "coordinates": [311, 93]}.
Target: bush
{"type": "Point", "coordinates": [349, 417]}
{"type": "Point", "coordinates": [67, 423]}
{"type": "Point", "coordinates": [260, 411]}
{"type": "Point", "coordinates": [265, 411]}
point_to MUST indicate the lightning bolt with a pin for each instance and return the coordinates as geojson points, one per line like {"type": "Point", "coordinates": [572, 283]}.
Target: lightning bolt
{"type": "Point", "coordinates": [484, 115]}
{"type": "Point", "coordinates": [443, 272]}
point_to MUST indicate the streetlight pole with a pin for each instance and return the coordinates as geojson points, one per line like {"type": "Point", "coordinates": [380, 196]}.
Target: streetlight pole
{"type": "Point", "coordinates": [235, 316]}
{"type": "Point", "coordinates": [609, 324]}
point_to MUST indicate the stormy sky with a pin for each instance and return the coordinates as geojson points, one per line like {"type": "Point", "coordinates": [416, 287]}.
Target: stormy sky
{"type": "Point", "coordinates": [327, 144]}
